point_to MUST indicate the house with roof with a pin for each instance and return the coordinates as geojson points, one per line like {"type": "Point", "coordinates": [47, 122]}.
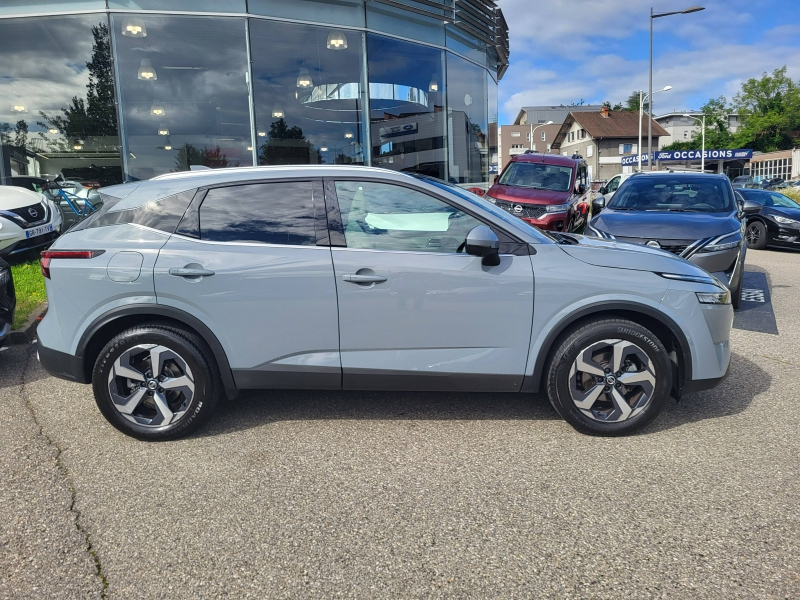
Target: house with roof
{"type": "Point", "coordinates": [603, 138]}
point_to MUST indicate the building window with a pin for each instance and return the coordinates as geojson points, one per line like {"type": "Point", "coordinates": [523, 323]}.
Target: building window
{"type": "Point", "coordinates": [625, 148]}
{"type": "Point", "coordinates": [467, 115]}
{"type": "Point", "coordinates": [308, 105]}
{"type": "Point", "coordinates": [544, 136]}
{"type": "Point", "coordinates": [589, 151]}
{"type": "Point", "coordinates": [45, 130]}
{"type": "Point", "coordinates": [515, 134]}
{"type": "Point", "coordinates": [409, 127]}
{"type": "Point", "coordinates": [685, 135]}
{"type": "Point", "coordinates": [167, 127]}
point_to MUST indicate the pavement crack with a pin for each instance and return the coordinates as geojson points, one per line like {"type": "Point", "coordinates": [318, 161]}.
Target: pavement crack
{"type": "Point", "coordinates": [65, 473]}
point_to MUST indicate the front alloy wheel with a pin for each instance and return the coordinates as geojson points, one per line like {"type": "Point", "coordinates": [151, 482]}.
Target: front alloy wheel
{"type": "Point", "coordinates": [610, 377]}
{"type": "Point", "coordinates": [155, 382]}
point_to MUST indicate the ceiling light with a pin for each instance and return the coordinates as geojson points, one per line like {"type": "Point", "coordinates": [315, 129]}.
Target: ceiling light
{"type": "Point", "coordinates": [262, 134]}
{"type": "Point", "coordinates": [163, 130]}
{"type": "Point", "coordinates": [277, 111]}
{"type": "Point", "coordinates": [337, 40]}
{"type": "Point", "coordinates": [348, 134]}
{"type": "Point", "coordinates": [304, 79]}
{"type": "Point", "coordinates": [19, 108]}
{"type": "Point", "coordinates": [146, 70]}
{"type": "Point", "coordinates": [324, 149]}
{"type": "Point", "coordinates": [134, 28]}
{"type": "Point", "coordinates": [157, 109]}
{"type": "Point", "coordinates": [249, 148]}
{"type": "Point", "coordinates": [53, 130]}
{"type": "Point", "coordinates": [433, 86]}
{"type": "Point", "coordinates": [167, 147]}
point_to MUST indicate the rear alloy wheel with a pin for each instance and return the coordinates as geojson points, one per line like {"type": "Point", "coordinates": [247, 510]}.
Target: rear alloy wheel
{"type": "Point", "coordinates": [155, 383]}
{"type": "Point", "coordinates": [609, 378]}
{"type": "Point", "coordinates": [756, 235]}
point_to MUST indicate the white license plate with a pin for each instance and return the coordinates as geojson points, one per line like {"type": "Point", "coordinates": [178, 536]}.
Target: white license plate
{"type": "Point", "coordinates": [41, 230]}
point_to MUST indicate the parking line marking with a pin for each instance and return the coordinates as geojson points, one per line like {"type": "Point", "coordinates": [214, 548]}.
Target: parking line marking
{"type": "Point", "coordinates": [753, 295]}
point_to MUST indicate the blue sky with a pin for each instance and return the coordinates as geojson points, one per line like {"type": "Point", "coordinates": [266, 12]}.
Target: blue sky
{"type": "Point", "coordinates": [565, 51]}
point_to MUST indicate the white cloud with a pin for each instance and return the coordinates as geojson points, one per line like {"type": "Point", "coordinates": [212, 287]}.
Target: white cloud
{"type": "Point", "coordinates": [575, 35]}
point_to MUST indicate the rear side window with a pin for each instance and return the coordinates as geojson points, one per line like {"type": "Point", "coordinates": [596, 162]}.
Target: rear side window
{"type": "Point", "coordinates": [163, 215]}
{"type": "Point", "coordinates": [267, 213]}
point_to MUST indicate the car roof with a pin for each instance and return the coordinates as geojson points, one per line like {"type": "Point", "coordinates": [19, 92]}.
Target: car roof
{"type": "Point", "coordinates": [688, 174]}
{"type": "Point", "coordinates": [139, 193]}
{"type": "Point", "coordinates": [547, 159]}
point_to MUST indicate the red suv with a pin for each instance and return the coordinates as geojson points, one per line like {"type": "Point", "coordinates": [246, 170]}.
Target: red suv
{"type": "Point", "coordinates": [546, 190]}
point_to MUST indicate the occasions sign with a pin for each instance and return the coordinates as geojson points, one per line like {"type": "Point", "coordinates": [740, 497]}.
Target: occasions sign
{"type": "Point", "coordinates": [673, 155]}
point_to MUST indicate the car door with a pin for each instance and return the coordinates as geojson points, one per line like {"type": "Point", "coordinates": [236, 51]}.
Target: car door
{"type": "Point", "coordinates": [415, 312]}
{"type": "Point", "coordinates": [252, 262]}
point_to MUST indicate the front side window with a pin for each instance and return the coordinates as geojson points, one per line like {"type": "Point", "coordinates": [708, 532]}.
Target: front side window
{"type": "Point", "coordinates": [382, 216]}
{"type": "Point", "coordinates": [267, 213]}
{"type": "Point", "coordinates": [689, 194]}
{"type": "Point", "coordinates": [613, 184]}
{"type": "Point", "coordinates": [537, 176]}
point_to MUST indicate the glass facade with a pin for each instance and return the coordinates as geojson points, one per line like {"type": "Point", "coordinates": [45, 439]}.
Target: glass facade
{"type": "Point", "coordinates": [124, 90]}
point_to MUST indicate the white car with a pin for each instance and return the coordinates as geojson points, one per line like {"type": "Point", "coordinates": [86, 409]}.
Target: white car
{"type": "Point", "coordinates": [28, 220]}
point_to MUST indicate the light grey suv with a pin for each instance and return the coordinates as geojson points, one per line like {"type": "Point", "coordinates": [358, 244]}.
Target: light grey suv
{"type": "Point", "coordinates": [185, 289]}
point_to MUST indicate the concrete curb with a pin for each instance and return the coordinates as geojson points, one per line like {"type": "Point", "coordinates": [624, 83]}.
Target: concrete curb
{"type": "Point", "coordinates": [27, 333]}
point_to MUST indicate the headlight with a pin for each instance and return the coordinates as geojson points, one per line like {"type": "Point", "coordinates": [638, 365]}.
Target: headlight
{"type": "Point", "coordinates": [785, 221]}
{"type": "Point", "coordinates": [723, 242]}
{"type": "Point", "coordinates": [714, 297]}
{"type": "Point", "coordinates": [490, 199]}
{"type": "Point", "coordinates": [694, 278]}
{"type": "Point", "coordinates": [557, 208]}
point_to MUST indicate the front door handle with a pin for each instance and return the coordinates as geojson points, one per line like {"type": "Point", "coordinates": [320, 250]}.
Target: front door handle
{"type": "Point", "coordinates": [356, 278]}
{"type": "Point", "coordinates": [191, 272]}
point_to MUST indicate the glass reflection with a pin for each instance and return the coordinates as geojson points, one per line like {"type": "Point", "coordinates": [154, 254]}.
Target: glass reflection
{"type": "Point", "coordinates": [467, 113]}
{"type": "Point", "coordinates": [58, 119]}
{"type": "Point", "coordinates": [406, 88]}
{"type": "Point", "coordinates": [334, 12]}
{"type": "Point", "coordinates": [308, 96]}
{"type": "Point", "coordinates": [21, 7]}
{"type": "Point", "coordinates": [183, 92]}
{"type": "Point", "coordinates": [223, 6]}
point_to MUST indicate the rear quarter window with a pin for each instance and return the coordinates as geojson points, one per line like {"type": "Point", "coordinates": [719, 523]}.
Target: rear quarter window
{"type": "Point", "coordinates": [163, 215]}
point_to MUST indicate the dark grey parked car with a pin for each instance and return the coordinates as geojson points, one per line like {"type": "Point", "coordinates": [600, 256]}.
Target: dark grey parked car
{"type": "Point", "coordinates": [695, 216]}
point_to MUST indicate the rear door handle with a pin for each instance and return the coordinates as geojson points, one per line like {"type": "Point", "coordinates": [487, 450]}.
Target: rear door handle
{"type": "Point", "coordinates": [356, 278]}
{"type": "Point", "coordinates": [186, 272]}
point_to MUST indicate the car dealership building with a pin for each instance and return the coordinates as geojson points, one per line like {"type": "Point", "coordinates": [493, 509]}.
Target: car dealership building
{"type": "Point", "coordinates": [105, 91]}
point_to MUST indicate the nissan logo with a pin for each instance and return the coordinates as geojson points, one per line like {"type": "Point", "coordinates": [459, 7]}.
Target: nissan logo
{"type": "Point", "coordinates": [33, 212]}
{"type": "Point", "coordinates": [653, 244]}
{"type": "Point", "coordinates": [518, 208]}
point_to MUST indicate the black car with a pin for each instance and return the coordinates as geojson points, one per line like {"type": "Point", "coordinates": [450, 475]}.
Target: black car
{"type": "Point", "coordinates": [8, 300]}
{"type": "Point", "coordinates": [693, 215]}
{"type": "Point", "coordinates": [777, 221]}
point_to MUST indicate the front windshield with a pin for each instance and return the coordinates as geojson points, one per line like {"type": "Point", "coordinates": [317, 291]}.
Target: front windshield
{"type": "Point", "coordinates": [679, 194]}
{"type": "Point", "coordinates": [772, 199]}
{"type": "Point", "coordinates": [537, 176]}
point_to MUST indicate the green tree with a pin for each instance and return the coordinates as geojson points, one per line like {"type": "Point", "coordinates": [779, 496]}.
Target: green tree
{"type": "Point", "coordinates": [189, 155]}
{"type": "Point", "coordinates": [277, 151]}
{"type": "Point", "coordinates": [769, 109]}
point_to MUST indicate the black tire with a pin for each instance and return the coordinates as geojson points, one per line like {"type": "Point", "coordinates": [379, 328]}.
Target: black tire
{"type": "Point", "coordinates": [560, 379]}
{"type": "Point", "coordinates": [190, 352]}
{"type": "Point", "coordinates": [756, 235]}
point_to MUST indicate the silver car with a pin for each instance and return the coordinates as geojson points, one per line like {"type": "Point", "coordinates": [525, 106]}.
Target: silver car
{"type": "Point", "coordinates": [185, 289]}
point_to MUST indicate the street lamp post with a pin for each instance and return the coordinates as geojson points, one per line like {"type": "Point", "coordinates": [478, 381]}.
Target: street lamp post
{"type": "Point", "coordinates": [535, 128]}
{"type": "Point", "coordinates": [653, 16]}
{"type": "Point", "coordinates": [703, 147]}
{"type": "Point", "coordinates": [650, 160]}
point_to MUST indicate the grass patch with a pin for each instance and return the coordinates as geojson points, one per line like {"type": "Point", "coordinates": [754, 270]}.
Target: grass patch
{"type": "Point", "coordinates": [29, 287]}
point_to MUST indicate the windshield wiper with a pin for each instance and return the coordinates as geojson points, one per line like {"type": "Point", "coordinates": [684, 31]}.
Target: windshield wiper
{"type": "Point", "coordinates": [567, 239]}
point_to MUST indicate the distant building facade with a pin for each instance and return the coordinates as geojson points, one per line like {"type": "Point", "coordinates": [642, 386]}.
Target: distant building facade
{"type": "Point", "coordinates": [516, 139]}
{"type": "Point", "coordinates": [681, 129]}
{"type": "Point", "coordinates": [603, 138]}
{"type": "Point", "coordinates": [535, 115]}
{"type": "Point", "coordinates": [768, 165]}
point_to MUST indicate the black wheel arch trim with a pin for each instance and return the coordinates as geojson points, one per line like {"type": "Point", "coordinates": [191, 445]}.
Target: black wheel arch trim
{"type": "Point", "coordinates": [169, 312]}
{"type": "Point", "coordinates": [532, 384]}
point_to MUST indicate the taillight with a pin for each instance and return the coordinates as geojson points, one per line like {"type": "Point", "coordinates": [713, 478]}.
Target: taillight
{"type": "Point", "coordinates": [49, 255]}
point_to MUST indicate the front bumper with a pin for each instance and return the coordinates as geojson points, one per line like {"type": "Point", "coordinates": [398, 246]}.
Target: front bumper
{"type": "Point", "coordinates": [549, 222]}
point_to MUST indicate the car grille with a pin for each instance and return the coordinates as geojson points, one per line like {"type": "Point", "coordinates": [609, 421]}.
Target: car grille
{"type": "Point", "coordinates": [674, 246]}
{"type": "Point", "coordinates": [31, 214]}
{"type": "Point", "coordinates": [675, 249]}
{"type": "Point", "coordinates": [522, 210]}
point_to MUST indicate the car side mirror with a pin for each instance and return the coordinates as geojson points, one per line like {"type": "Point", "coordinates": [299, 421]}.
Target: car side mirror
{"type": "Point", "coordinates": [602, 190]}
{"type": "Point", "coordinates": [750, 208]}
{"type": "Point", "coordinates": [482, 241]}
{"type": "Point", "coordinates": [496, 178]}
{"type": "Point", "coordinates": [598, 204]}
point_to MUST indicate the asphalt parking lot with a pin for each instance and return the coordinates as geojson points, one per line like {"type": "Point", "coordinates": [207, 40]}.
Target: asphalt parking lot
{"type": "Point", "coordinates": [309, 494]}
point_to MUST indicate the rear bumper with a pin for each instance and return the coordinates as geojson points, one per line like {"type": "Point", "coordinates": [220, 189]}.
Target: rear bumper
{"type": "Point", "coordinates": [62, 365]}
